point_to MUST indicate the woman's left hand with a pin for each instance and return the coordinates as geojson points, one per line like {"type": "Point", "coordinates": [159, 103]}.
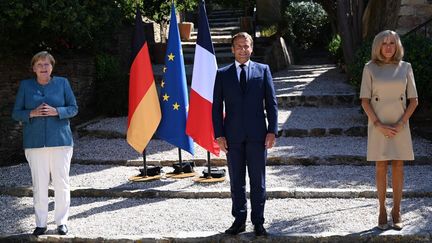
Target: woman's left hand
{"type": "Point", "coordinates": [49, 110]}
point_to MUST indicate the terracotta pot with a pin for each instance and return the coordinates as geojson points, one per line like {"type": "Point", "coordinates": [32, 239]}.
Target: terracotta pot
{"type": "Point", "coordinates": [185, 30]}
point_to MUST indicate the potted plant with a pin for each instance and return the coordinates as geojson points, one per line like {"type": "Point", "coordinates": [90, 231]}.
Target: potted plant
{"type": "Point", "coordinates": [159, 11]}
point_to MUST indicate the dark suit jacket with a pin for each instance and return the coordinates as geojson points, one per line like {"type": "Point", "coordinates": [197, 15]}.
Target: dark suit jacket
{"type": "Point", "coordinates": [244, 119]}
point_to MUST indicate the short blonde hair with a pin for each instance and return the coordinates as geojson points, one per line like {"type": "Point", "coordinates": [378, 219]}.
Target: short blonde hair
{"type": "Point", "coordinates": [376, 55]}
{"type": "Point", "coordinates": [244, 35]}
{"type": "Point", "coordinates": [42, 55]}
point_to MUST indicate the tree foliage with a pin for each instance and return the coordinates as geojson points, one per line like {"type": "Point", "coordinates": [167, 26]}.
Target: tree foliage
{"type": "Point", "coordinates": [72, 25]}
{"type": "Point", "coordinates": [28, 26]}
{"type": "Point", "coordinates": [302, 23]}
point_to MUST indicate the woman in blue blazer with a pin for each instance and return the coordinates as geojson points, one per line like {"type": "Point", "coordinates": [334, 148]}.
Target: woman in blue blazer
{"type": "Point", "coordinates": [44, 105]}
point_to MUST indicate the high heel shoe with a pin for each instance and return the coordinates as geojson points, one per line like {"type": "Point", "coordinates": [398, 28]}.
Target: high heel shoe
{"type": "Point", "coordinates": [397, 221]}
{"type": "Point", "coordinates": [382, 222]}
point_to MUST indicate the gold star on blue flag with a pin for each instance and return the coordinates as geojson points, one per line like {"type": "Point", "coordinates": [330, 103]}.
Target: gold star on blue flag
{"type": "Point", "coordinates": [173, 92]}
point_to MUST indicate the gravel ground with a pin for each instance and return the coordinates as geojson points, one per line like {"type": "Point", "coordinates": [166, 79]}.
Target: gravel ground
{"type": "Point", "coordinates": [89, 148]}
{"type": "Point", "coordinates": [170, 217]}
{"type": "Point", "coordinates": [288, 177]}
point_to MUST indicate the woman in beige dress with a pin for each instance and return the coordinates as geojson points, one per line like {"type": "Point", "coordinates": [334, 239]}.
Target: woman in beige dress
{"type": "Point", "coordinates": [387, 83]}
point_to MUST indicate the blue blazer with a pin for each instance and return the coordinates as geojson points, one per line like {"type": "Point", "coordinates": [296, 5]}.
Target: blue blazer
{"type": "Point", "coordinates": [244, 118]}
{"type": "Point", "coordinates": [47, 131]}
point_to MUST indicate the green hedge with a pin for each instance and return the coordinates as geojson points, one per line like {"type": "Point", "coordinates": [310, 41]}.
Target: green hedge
{"type": "Point", "coordinates": [418, 51]}
{"type": "Point", "coordinates": [111, 86]}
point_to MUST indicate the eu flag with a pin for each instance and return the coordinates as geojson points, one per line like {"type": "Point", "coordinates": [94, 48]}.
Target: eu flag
{"type": "Point", "coordinates": [173, 92]}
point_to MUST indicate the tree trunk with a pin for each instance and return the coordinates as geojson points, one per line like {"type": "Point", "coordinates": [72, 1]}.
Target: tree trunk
{"type": "Point", "coordinates": [350, 14]}
{"type": "Point", "coordinates": [380, 15]}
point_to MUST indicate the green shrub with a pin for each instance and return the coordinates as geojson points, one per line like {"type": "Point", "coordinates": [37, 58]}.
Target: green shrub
{"type": "Point", "coordinates": [111, 86]}
{"type": "Point", "coordinates": [335, 49]}
{"type": "Point", "coordinates": [303, 23]}
{"type": "Point", "coordinates": [418, 51]}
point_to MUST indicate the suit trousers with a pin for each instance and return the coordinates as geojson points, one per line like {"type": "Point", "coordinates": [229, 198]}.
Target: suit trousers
{"type": "Point", "coordinates": [250, 155]}
{"type": "Point", "coordinates": [54, 162]}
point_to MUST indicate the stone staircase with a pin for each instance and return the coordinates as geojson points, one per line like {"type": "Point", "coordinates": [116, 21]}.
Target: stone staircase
{"type": "Point", "coordinates": [320, 188]}
{"type": "Point", "coordinates": [223, 24]}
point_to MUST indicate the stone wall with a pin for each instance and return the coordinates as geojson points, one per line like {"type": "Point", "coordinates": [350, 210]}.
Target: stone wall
{"type": "Point", "coordinates": [79, 69]}
{"type": "Point", "coordinates": [413, 13]}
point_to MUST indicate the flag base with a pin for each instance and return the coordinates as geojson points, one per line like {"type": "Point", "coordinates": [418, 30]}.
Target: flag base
{"type": "Point", "coordinates": [180, 176]}
{"type": "Point", "coordinates": [152, 170]}
{"type": "Point", "coordinates": [140, 178]}
{"type": "Point", "coordinates": [187, 167]}
{"type": "Point", "coordinates": [214, 172]}
{"type": "Point", "coordinates": [208, 180]}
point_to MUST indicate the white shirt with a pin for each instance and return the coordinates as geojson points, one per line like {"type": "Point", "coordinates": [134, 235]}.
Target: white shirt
{"type": "Point", "coordinates": [238, 69]}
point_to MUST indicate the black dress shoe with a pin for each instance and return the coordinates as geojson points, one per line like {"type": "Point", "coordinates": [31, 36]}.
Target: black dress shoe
{"type": "Point", "coordinates": [260, 230]}
{"type": "Point", "coordinates": [39, 231]}
{"type": "Point", "coordinates": [62, 229]}
{"type": "Point", "coordinates": [235, 229]}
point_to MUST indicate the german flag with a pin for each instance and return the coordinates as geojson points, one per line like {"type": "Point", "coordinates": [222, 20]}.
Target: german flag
{"type": "Point", "coordinates": [144, 109]}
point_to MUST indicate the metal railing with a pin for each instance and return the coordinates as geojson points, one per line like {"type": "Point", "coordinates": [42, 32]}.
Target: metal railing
{"type": "Point", "coordinates": [424, 29]}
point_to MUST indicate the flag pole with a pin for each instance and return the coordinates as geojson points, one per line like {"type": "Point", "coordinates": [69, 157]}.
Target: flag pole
{"type": "Point", "coordinates": [145, 164]}
{"type": "Point", "coordinates": [180, 161]}
{"type": "Point", "coordinates": [209, 166]}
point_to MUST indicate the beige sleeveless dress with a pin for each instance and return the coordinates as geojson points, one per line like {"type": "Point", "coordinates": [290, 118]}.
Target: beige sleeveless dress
{"type": "Point", "coordinates": [388, 87]}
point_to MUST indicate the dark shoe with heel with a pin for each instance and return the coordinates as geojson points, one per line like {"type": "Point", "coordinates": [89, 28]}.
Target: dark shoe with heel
{"type": "Point", "coordinates": [62, 229]}
{"type": "Point", "coordinates": [260, 230]}
{"type": "Point", "coordinates": [39, 231]}
{"type": "Point", "coordinates": [236, 228]}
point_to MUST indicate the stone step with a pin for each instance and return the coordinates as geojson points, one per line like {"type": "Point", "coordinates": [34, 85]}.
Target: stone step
{"type": "Point", "coordinates": [295, 122]}
{"type": "Point", "coordinates": [338, 181]}
{"type": "Point", "coordinates": [218, 19]}
{"type": "Point", "coordinates": [218, 49]}
{"type": "Point", "coordinates": [313, 85]}
{"type": "Point", "coordinates": [213, 33]}
{"type": "Point", "coordinates": [224, 24]}
{"type": "Point", "coordinates": [223, 15]}
{"type": "Point", "coordinates": [225, 28]}
{"type": "Point", "coordinates": [332, 150]}
{"type": "Point", "coordinates": [311, 121]}
{"type": "Point", "coordinates": [205, 220]}
{"type": "Point", "coordinates": [221, 57]}
{"type": "Point", "coordinates": [215, 38]}
{"type": "Point", "coordinates": [317, 100]}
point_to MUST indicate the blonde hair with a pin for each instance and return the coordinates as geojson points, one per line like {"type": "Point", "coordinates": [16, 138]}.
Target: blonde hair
{"type": "Point", "coordinates": [244, 35]}
{"type": "Point", "coordinates": [376, 55]}
{"type": "Point", "coordinates": [42, 55]}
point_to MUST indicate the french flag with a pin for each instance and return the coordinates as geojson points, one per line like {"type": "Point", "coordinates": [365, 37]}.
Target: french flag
{"type": "Point", "coordinates": [199, 124]}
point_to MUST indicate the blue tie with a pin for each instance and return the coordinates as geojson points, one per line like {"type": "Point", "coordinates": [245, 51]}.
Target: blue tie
{"type": "Point", "coordinates": [242, 78]}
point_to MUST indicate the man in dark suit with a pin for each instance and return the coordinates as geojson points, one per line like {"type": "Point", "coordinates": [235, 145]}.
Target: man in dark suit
{"type": "Point", "coordinates": [245, 89]}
